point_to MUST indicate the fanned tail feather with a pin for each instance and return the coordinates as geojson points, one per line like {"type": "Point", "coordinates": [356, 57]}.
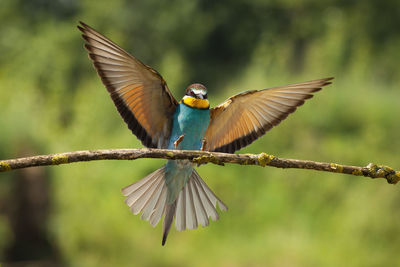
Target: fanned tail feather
{"type": "Point", "coordinates": [193, 206]}
{"type": "Point", "coordinates": [148, 196]}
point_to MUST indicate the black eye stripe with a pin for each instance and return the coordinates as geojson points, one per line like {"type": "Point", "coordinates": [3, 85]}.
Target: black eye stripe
{"type": "Point", "coordinates": [191, 93]}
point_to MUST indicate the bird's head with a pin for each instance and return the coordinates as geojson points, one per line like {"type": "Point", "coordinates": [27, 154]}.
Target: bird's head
{"type": "Point", "coordinates": [196, 90]}
{"type": "Point", "coordinates": [196, 96]}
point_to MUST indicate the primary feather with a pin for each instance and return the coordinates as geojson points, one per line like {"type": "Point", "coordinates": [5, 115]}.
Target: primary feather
{"type": "Point", "coordinates": [243, 118]}
{"type": "Point", "coordinates": [139, 92]}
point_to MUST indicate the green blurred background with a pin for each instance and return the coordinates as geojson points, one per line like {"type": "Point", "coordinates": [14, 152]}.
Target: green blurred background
{"type": "Point", "coordinates": [51, 100]}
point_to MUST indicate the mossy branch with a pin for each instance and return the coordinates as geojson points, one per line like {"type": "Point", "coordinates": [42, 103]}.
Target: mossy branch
{"type": "Point", "coordinates": [200, 157]}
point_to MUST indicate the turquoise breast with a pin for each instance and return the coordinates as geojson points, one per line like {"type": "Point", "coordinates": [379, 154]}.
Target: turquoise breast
{"type": "Point", "coordinates": [191, 122]}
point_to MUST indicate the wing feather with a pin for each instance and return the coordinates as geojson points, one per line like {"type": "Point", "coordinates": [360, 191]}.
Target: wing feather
{"type": "Point", "coordinates": [243, 118]}
{"type": "Point", "coordinates": [139, 92]}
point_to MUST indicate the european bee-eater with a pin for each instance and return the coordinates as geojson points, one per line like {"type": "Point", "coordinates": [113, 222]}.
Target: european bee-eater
{"type": "Point", "coordinates": [151, 112]}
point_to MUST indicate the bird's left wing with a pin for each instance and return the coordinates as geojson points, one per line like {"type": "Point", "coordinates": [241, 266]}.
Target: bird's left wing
{"type": "Point", "coordinates": [139, 92]}
{"type": "Point", "coordinates": [243, 118]}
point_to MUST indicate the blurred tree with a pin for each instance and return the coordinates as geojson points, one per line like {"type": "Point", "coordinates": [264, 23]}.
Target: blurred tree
{"type": "Point", "coordinates": [28, 210]}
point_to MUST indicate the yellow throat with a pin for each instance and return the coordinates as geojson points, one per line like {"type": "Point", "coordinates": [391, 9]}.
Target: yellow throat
{"type": "Point", "coordinates": [196, 103]}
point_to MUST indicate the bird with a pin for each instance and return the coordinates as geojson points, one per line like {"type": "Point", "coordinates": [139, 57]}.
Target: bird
{"type": "Point", "coordinates": [144, 101]}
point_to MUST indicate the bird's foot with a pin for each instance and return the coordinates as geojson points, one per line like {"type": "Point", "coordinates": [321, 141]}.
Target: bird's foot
{"type": "Point", "coordinates": [179, 140]}
{"type": "Point", "coordinates": [203, 145]}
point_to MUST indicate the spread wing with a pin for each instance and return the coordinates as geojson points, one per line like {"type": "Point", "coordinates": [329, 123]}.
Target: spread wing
{"type": "Point", "coordinates": [139, 92]}
{"type": "Point", "coordinates": [243, 118]}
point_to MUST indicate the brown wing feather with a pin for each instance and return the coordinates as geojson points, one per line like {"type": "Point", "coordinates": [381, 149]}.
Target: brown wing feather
{"type": "Point", "coordinates": [243, 118]}
{"type": "Point", "coordinates": [139, 92]}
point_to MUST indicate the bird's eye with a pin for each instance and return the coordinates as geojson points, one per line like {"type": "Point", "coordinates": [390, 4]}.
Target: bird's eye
{"type": "Point", "coordinates": [192, 94]}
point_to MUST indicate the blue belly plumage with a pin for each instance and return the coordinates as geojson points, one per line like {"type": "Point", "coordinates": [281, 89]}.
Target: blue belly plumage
{"type": "Point", "coordinates": [192, 123]}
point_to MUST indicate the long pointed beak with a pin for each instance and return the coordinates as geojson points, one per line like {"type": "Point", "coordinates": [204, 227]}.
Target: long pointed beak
{"type": "Point", "coordinates": [200, 96]}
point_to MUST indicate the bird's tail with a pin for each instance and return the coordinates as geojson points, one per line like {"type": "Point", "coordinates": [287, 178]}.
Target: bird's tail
{"type": "Point", "coordinates": [193, 206]}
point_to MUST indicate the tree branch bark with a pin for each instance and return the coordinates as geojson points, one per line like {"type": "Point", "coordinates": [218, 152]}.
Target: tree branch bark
{"type": "Point", "coordinates": [200, 157]}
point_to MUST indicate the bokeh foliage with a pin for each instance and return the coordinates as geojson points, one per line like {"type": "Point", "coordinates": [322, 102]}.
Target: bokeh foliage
{"type": "Point", "coordinates": [51, 99]}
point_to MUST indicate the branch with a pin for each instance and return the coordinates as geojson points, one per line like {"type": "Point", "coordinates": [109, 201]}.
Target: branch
{"type": "Point", "coordinates": [200, 157]}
